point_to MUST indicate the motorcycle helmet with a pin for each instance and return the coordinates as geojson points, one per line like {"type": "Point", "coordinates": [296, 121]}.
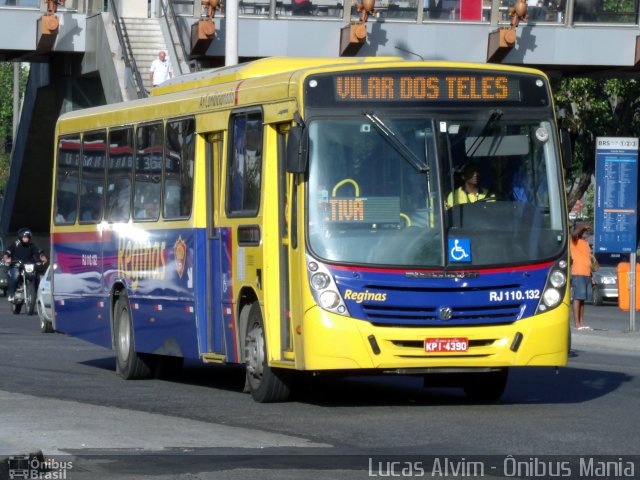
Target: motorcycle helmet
{"type": "Point", "coordinates": [24, 232]}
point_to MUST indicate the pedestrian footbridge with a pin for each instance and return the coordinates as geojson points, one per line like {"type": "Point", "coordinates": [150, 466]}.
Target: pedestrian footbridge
{"type": "Point", "coordinates": [91, 53]}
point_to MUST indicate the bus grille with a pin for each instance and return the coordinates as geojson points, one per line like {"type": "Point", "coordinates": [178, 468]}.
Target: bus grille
{"type": "Point", "coordinates": [428, 314]}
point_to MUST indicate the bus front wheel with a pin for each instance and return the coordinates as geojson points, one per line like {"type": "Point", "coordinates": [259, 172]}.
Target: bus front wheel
{"type": "Point", "coordinates": [129, 364]}
{"type": "Point", "coordinates": [266, 384]}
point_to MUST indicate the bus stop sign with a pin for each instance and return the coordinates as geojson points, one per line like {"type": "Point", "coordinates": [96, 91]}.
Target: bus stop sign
{"type": "Point", "coordinates": [616, 194]}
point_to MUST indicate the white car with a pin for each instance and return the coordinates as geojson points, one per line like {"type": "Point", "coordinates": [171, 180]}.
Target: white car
{"type": "Point", "coordinates": [605, 279]}
{"type": "Point", "coordinates": [43, 302]}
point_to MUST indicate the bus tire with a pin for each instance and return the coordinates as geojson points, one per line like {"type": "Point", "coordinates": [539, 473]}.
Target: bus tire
{"type": "Point", "coordinates": [130, 365]}
{"type": "Point", "coordinates": [486, 387]}
{"type": "Point", "coordinates": [266, 384]}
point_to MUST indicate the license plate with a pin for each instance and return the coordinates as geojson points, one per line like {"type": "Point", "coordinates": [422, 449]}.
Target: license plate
{"type": "Point", "coordinates": [446, 344]}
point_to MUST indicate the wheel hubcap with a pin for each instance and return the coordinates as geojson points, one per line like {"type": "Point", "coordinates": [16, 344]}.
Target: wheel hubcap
{"type": "Point", "coordinates": [254, 354]}
{"type": "Point", "coordinates": [123, 335]}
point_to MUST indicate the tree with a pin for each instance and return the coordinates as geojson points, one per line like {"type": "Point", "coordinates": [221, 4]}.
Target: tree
{"type": "Point", "coordinates": [6, 115]}
{"type": "Point", "coordinates": [595, 108]}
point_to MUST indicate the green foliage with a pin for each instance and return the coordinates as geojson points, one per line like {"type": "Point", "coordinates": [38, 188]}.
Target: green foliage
{"type": "Point", "coordinates": [595, 108]}
{"type": "Point", "coordinates": [6, 114]}
{"type": "Point", "coordinates": [6, 96]}
{"type": "Point", "coordinates": [4, 171]}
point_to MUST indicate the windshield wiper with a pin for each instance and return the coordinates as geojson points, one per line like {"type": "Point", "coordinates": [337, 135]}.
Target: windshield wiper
{"type": "Point", "coordinates": [390, 136]}
{"type": "Point", "coordinates": [493, 118]}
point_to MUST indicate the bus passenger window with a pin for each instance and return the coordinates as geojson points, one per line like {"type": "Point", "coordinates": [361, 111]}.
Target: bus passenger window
{"type": "Point", "coordinates": [92, 178]}
{"type": "Point", "coordinates": [148, 172]}
{"type": "Point", "coordinates": [178, 169]}
{"type": "Point", "coordinates": [244, 169]}
{"type": "Point", "coordinates": [119, 175]}
{"type": "Point", "coordinates": [67, 180]}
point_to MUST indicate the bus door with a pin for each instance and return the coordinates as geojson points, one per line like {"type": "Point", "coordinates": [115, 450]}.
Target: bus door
{"type": "Point", "coordinates": [215, 319]}
{"type": "Point", "coordinates": [289, 253]}
{"type": "Point", "coordinates": [242, 226]}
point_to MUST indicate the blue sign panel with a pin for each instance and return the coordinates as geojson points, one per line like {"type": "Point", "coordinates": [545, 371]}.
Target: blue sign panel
{"type": "Point", "coordinates": [460, 250]}
{"type": "Point", "coordinates": [616, 194]}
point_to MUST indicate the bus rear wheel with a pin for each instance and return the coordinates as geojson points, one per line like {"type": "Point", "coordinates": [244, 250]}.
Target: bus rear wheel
{"type": "Point", "coordinates": [266, 384]}
{"type": "Point", "coordinates": [486, 387]}
{"type": "Point", "coordinates": [130, 364]}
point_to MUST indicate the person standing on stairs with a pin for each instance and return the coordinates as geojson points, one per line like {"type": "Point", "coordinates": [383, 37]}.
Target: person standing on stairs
{"type": "Point", "coordinates": [160, 70]}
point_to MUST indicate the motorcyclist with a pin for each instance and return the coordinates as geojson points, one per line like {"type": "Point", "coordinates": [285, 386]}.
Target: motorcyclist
{"type": "Point", "coordinates": [21, 250]}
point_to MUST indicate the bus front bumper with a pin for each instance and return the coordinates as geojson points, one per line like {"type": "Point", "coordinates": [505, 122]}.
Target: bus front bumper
{"type": "Point", "coordinates": [334, 342]}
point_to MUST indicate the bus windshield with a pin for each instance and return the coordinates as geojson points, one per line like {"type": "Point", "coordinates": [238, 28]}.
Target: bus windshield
{"type": "Point", "coordinates": [489, 181]}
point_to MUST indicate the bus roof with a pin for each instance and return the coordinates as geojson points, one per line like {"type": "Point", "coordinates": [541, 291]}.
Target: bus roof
{"type": "Point", "coordinates": [257, 68]}
{"type": "Point", "coordinates": [282, 70]}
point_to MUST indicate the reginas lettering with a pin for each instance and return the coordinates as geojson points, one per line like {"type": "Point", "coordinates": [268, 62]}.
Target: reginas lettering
{"type": "Point", "coordinates": [365, 296]}
{"type": "Point", "coordinates": [138, 260]}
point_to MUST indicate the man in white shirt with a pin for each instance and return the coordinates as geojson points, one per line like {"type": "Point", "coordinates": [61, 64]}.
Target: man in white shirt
{"type": "Point", "coordinates": [160, 70]}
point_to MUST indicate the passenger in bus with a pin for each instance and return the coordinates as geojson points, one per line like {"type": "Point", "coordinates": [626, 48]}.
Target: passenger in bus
{"type": "Point", "coordinates": [150, 209]}
{"type": "Point", "coordinates": [91, 206]}
{"type": "Point", "coordinates": [470, 190]}
{"type": "Point", "coordinates": [70, 211]}
{"type": "Point", "coordinates": [121, 201]}
{"type": "Point", "coordinates": [58, 217]}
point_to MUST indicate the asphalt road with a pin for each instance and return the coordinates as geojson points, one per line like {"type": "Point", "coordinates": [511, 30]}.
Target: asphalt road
{"type": "Point", "coordinates": [61, 396]}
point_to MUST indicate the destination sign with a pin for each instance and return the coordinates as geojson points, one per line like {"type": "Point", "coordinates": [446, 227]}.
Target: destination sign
{"type": "Point", "coordinates": [422, 87]}
{"type": "Point", "coordinates": [438, 87]}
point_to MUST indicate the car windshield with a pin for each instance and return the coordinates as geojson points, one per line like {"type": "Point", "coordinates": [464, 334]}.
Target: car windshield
{"type": "Point", "coordinates": [385, 190]}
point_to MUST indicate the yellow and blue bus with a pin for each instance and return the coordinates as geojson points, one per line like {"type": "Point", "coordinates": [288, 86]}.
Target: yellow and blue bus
{"type": "Point", "coordinates": [319, 215]}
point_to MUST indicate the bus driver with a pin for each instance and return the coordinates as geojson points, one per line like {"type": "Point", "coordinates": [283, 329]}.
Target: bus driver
{"type": "Point", "coordinates": [470, 191]}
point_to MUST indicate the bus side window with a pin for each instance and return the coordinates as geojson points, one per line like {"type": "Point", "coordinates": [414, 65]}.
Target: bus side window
{"type": "Point", "coordinates": [148, 172]}
{"type": "Point", "coordinates": [92, 178]}
{"type": "Point", "coordinates": [67, 180]}
{"type": "Point", "coordinates": [178, 169]}
{"type": "Point", "coordinates": [244, 169]}
{"type": "Point", "coordinates": [119, 174]}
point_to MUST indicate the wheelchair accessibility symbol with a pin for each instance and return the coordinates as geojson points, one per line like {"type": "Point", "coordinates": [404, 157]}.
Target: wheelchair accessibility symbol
{"type": "Point", "coordinates": [459, 250]}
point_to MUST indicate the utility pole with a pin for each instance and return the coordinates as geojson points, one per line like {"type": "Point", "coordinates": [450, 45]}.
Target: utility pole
{"type": "Point", "coordinates": [231, 32]}
{"type": "Point", "coordinates": [16, 102]}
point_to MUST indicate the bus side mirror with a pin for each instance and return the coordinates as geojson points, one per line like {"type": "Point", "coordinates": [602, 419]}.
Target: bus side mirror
{"type": "Point", "coordinates": [567, 151]}
{"type": "Point", "coordinates": [296, 150]}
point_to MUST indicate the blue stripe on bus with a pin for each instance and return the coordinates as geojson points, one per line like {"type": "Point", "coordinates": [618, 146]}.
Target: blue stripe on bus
{"type": "Point", "coordinates": [166, 293]}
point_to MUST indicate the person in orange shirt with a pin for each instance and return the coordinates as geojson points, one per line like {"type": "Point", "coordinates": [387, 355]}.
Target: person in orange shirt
{"type": "Point", "coordinates": [580, 274]}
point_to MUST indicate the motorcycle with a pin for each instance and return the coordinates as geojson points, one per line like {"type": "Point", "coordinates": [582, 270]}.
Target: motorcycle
{"type": "Point", "coordinates": [25, 288]}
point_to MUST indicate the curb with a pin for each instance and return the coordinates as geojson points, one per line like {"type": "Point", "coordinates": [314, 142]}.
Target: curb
{"type": "Point", "coordinates": [627, 342]}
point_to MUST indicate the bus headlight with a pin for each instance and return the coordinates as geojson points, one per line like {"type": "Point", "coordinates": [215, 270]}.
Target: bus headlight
{"type": "Point", "coordinates": [555, 287]}
{"type": "Point", "coordinates": [558, 279]}
{"type": "Point", "coordinates": [329, 300]}
{"type": "Point", "coordinates": [320, 281]}
{"type": "Point", "coordinates": [551, 297]}
{"type": "Point", "coordinates": [324, 288]}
